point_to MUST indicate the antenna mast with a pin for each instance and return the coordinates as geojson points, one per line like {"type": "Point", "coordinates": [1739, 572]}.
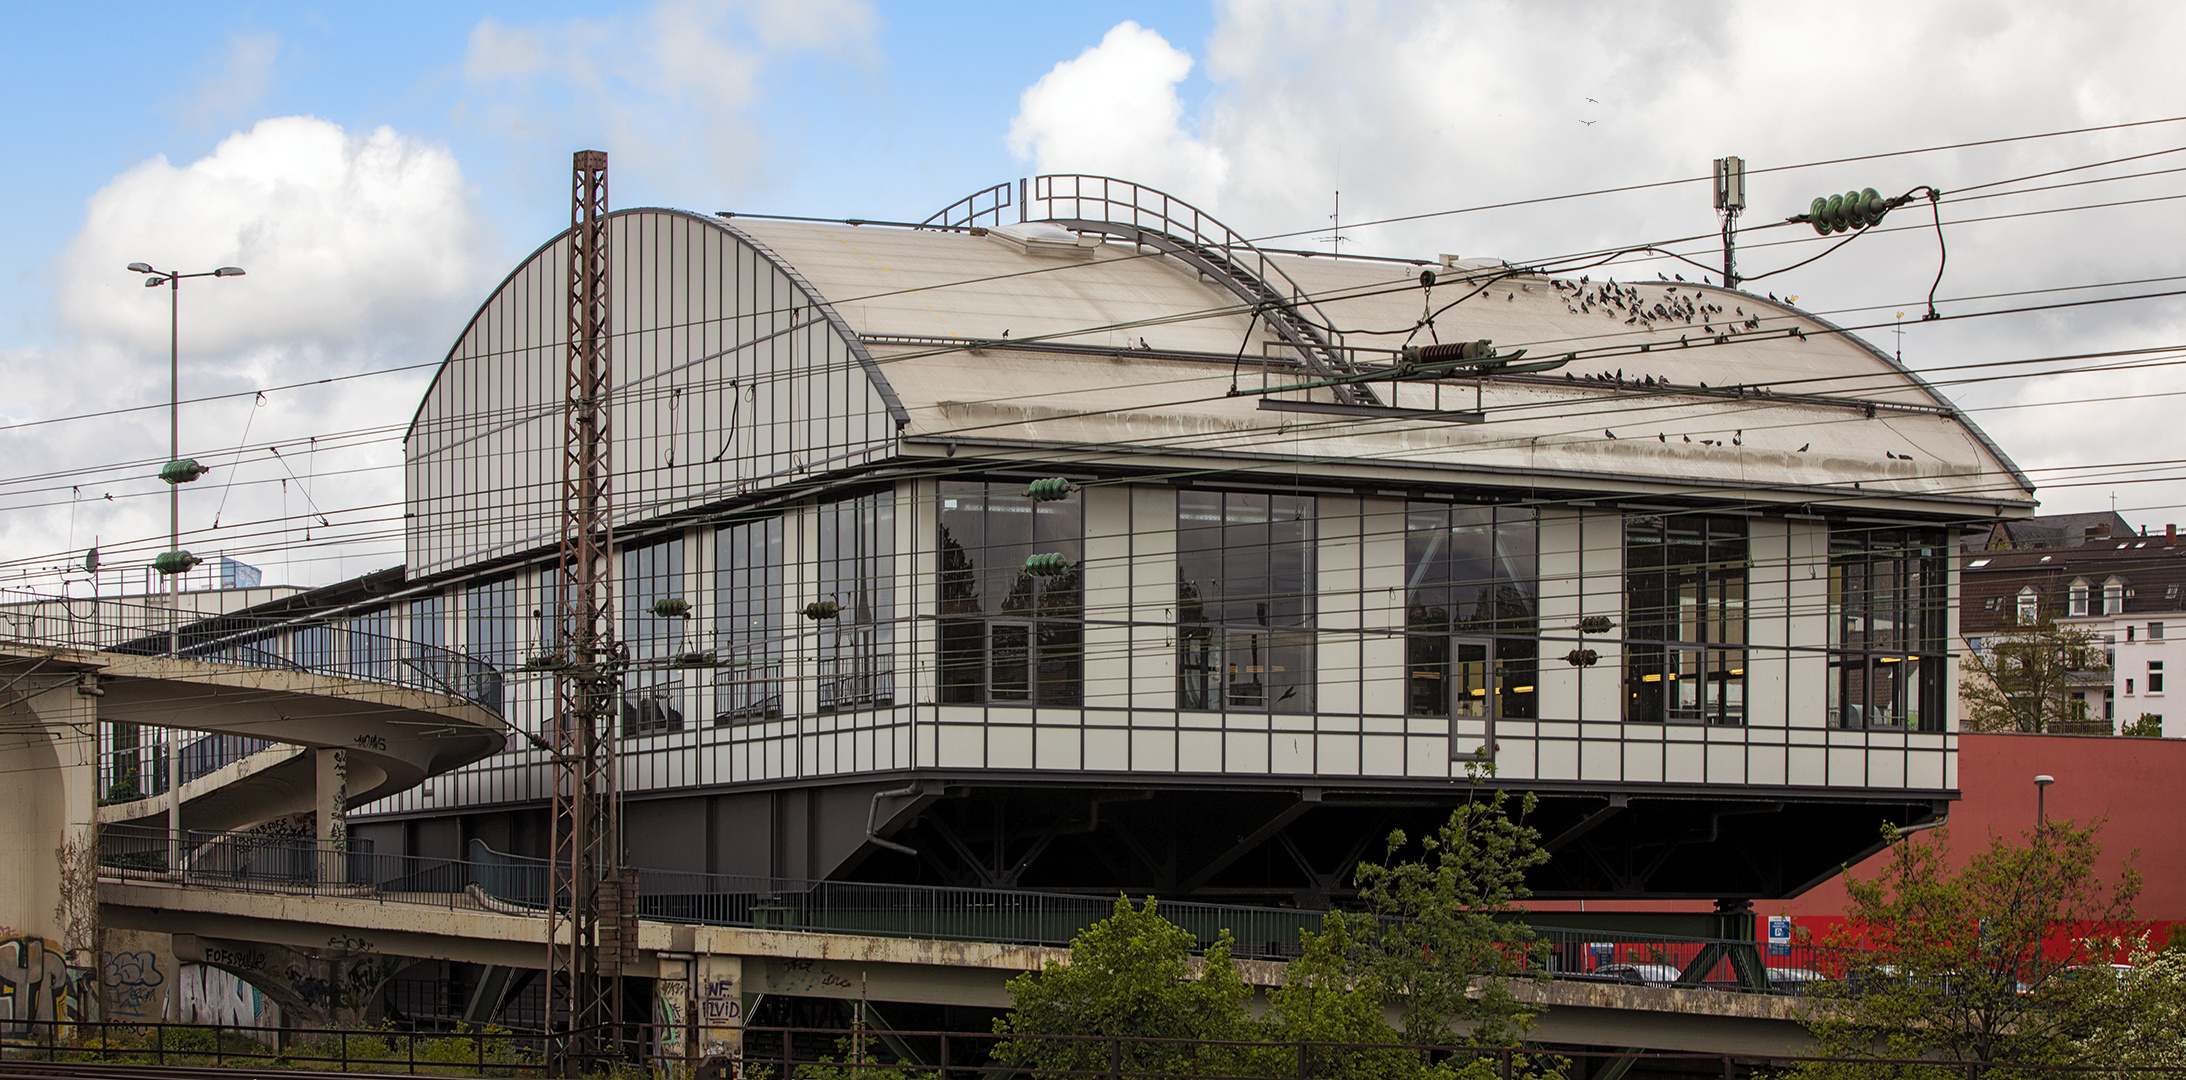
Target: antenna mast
{"type": "Point", "coordinates": [591, 907]}
{"type": "Point", "coordinates": [1730, 197]}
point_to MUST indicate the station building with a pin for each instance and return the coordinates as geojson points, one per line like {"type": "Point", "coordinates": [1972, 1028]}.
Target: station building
{"type": "Point", "coordinates": [1288, 585]}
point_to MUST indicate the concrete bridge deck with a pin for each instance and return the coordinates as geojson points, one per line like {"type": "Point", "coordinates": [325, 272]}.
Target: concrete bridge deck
{"type": "Point", "coordinates": [465, 927]}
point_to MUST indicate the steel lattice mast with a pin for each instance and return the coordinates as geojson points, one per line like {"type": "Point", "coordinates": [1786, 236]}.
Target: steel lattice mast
{"type": "Point", "coordinates": [585, 913]}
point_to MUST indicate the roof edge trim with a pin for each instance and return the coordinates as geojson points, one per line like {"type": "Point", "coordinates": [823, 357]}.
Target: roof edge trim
{"type": "Point", "coordinates": [850, 337]}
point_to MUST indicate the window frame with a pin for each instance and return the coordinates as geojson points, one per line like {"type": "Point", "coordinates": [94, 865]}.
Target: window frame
{"type": "Point", "coordinates": [1888, 635]}
{"type": "Point", "coordinates": [1686, 623]}
{"type": "Point", "coordinates": [1504, 581]}
{"type": "Point", "coordinates": [1225, 660]}
{"type": "Point", "coordinates": [1047, 613]}
{"type": "Point", "coordinates": [750, 601]}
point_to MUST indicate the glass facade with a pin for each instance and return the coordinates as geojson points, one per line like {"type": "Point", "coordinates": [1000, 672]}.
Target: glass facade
{"type": "Point", "coordinates": [1685, 579]}
{"type": "Point", "coordinates": [856, 571]}
{"type": "Point", "coordinates": [651, 700]}
{"type": "Point", "coordinates": [1245, 602]}
{"type": "Point", "coordinates": [1887, 629]}
{"type": "Point", "coordinates": [1472, 617]}
{"type": "Point", "coordinates": [1009, 636]}
{"type": "Point", "coordinates": [748, 621]}
{"type": "Point", "coordinates": [492, 615]}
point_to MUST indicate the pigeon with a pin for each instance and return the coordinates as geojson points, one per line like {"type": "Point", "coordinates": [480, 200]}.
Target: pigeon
{"type": "Point", "coordinates": [1569, 377]}
{"type": "Point", "coordinates": [1688, 438]}
{"type": "Point", "coordinates": [1680, 277]}
{"type": "Point", "coordinates": [1508, 297]}
{"type": "Point", "coordinates": [1660, 437]}
{"type": "Point", "coordinates": [1738, 442]}
{"type": "Point", "coordinates": [1005, 331]}
{"type": "Point", "coordinates": [1803, 446]}
{"type": "Point", "coordinates": [1609, 433]}
{"type": "Point", "coordinates": [1144, 345]}
{"type": "Point", "coordinates": [1595, 102]}
{"type": "Point", "coordinates": [1588, 123]}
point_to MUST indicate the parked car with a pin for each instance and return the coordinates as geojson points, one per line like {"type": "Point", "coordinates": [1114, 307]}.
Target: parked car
{"type": "Point", "coordinates": [1638, 974]}
{"type": "Point", "coordinates": [1793, 980]}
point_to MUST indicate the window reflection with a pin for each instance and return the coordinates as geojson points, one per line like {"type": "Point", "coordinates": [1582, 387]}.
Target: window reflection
{"type": "Point", "coordinates": [1008, 635]}
{"type": "Point", "coordinates": [1685, 619]}
{"type": "Point", "coordinates": [1887, 590]}
{"type": "Point", "coordinates": [1471, 611]}
{"type": "Point", "coordinates": [1245, 601]}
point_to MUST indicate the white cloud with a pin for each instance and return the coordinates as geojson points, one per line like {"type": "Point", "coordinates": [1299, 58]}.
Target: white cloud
{"type": "Point", "coordinates": [1114, 110]}
{"type": "Point", "coordinates": [670, 92]}
{"type": "Point", "coordinates": [1414, 106]}
{"type": "Point", "coordinates": [364, 250]}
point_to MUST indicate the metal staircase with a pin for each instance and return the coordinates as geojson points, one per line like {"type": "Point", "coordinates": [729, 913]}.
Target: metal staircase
{"type": "Point", "coordinates": [1143, 216]}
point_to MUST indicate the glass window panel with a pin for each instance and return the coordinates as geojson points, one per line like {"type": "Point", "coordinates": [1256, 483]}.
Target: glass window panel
{"type": "Point", "coordinates": [988, 531]}
{"type": "Point", "coordinates": [748, 615]}
{"type": "Point", "coordinates": [1245, 595]}
{"type": "Point", "coordinates": [1886, 627]}
{"type": "Point", "coordinates": [1427, 672]}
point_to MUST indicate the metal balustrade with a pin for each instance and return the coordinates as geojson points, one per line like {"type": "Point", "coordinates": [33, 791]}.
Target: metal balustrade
{"type": "Point", "coordinates": [494, 880]}
{"type": "Point", "coordinates": [1147, 216]}
{"type": "Point", "coordinates": [318, 647]}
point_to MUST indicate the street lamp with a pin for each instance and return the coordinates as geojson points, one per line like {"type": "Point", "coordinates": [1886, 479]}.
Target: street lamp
{"type": "Point", "coordinates": [174, 562]}
{"type": "Point", "coordinates": [2041, 798]}
{"type": "Point", "coordinates": [178, 471]}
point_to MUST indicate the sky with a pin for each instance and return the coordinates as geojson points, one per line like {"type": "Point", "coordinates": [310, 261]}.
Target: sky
{"type": "Point", "coordinates": [377, 168]}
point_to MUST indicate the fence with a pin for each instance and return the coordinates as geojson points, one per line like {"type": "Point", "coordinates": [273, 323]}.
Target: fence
{"type": "Point", "coordinates": [322, 647]}
{"type": "Point", "coordinates": [90, 1048]}
{"type": "Point", "coordinates": [291, 865]}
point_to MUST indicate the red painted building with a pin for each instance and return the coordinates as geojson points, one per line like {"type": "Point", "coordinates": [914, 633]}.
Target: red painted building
{"type": "Point", "coordinates": [2137, 785]}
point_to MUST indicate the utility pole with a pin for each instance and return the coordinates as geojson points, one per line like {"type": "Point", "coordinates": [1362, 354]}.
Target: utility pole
{"type": "Point", "coordinates": [1730, 198]}
{"type": "Point", "coordinates": [590, 919]}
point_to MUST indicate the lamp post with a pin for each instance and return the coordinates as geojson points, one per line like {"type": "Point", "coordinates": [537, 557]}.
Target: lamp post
{"type": "Point", "coordinates": [175, 562]}
{"type": "Point", "coordinates": [2041, 798]}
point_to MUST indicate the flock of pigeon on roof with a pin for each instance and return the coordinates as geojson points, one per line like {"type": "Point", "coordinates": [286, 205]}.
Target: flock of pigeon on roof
{"type": "Point", "coordinates": [1582, 297]}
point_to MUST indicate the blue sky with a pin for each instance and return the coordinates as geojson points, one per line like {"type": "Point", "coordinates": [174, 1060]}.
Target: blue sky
{"type": "Point", "coordinates": [906, 128]}
{"type": "Point", "coordinates": [377, 167]}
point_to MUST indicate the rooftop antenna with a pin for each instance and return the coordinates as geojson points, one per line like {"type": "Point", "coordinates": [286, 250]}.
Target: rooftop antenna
{"type": "Point", "coordinates": [1901, 336]}
{"type": "Point", "coordinates": [1730, 198]}
{"type": "Point", "coordinates": [1336, 238]}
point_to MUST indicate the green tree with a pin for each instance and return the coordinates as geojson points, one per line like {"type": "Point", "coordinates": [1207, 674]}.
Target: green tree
{"type": "Point", "coordinates": [1980, 964]}
{"type": "Point", "coordinates": [2149, 726]}
{"type": "Point", "coordinates": [2143, 1012]}
{"type": "Point", "coordinates": [1448, 939]}
{"type": "Point", "coordinates": [2017, 680]}
{"type": "Point", "coordinates": [1131, 978]}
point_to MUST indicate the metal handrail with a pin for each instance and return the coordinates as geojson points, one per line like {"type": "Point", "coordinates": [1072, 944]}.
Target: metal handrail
{"type": "Point", "coordinates": [498, 881]}
{"type": "Point", "coordinates": [1132, 211]}
{"type": "Point", "coordinates": [325, 648]}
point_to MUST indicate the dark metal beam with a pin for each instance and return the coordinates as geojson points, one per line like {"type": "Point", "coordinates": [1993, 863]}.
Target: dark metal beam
{"type": "Point", "coordinates": [1308, 798]}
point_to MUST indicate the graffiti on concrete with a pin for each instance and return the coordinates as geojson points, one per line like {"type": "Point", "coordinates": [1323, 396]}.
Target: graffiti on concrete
{"type": "Point", "coordinates": [135, 986]}
{"type": "Point", "coordinates": [208, 995]}
{"type": "Point", "coordinates": [36, 983]}
{"type": "Point", "coordinates": [672, 1015]}
{"type": "Point", "coordinates": [718, 987]}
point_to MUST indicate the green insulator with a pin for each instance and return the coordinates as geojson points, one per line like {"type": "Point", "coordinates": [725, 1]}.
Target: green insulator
{"type": "Point", "coordinates": [1817, 215]}
{"type": "Point", "coordinates": [183, 471]}
{"type": "Point", "coordinates": [1046, 564]}
{"type": "Point", "coordinates": [823, 609]}
{"type": "Point", "coordinates": [175, 562]}
{"type": "Point", "coordinates": [1050, 489]}
{"type": "Point", "coordinates": [1876, 205]}
{"type": "Point", "coordinates": [1835, 213]}
{"type": "Point", "coordinates": [672, 607]}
